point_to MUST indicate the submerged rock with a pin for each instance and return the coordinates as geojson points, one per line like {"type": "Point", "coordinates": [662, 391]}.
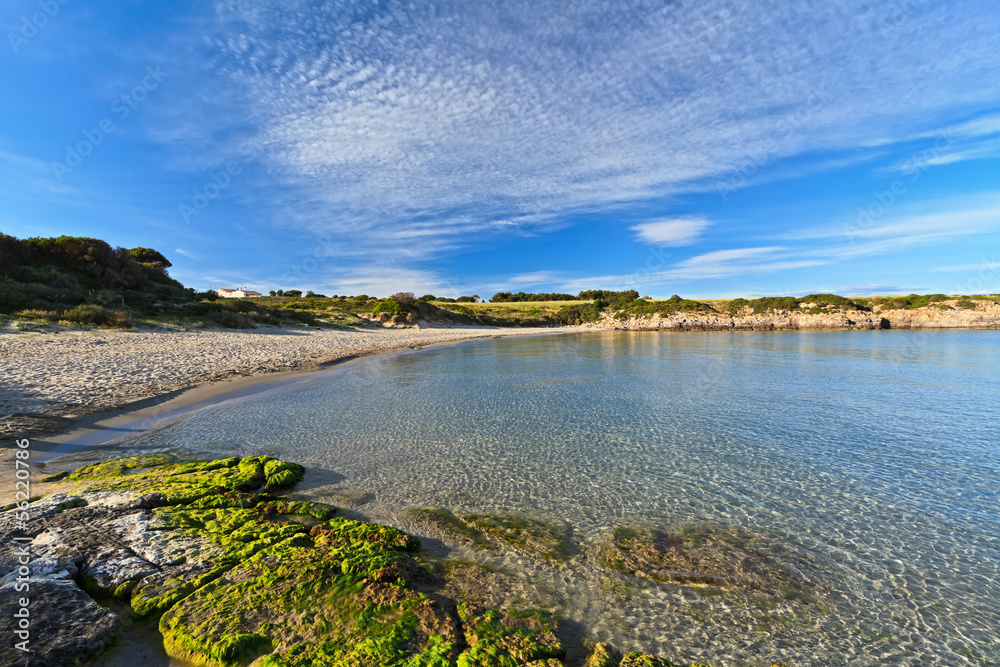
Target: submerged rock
{"type": "Point", "coordinates": [527, 535]}
{"type": "Point", "coordinates": [717, 556]}
{"type": "Point", "coordinates": [500, 638]}
{"type": "Point", "coordinates": [236, 575]}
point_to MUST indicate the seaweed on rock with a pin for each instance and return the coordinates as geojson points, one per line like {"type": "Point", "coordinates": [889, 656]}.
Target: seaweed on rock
{"type": "Point", "coordinates": [483, 531]}
{"type": "Point", "coordinates": [236, 575]}
{"type": "Point", "coordinates": [714, 560]}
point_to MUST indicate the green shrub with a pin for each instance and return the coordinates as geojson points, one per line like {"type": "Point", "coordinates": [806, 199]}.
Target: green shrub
{"type": "Point", "coordinates": [238, 321]}
{"type": "Point", "coordinates": [590, 312]}
{"type": "Point", "coordinates": [98, 316]}
{"type": "Point", "coordinates": [389, 307]}
{"type": "Point", "coordinates": [910, 301]}
{"type": "Point", "coordinates": [66, 271]}
{"type": "Point", "coordinates": [736, 305]}
{"type": "Point", "coordinates": [673, 305]}
{"type": "Point", "coordinates": [149, 256]}
{"type": "Point", "coordinates": [828, 300]}
{"type": "Point", "coordinates": [36, 314]}
{"type": "Point", "coordinates": [516, 297]}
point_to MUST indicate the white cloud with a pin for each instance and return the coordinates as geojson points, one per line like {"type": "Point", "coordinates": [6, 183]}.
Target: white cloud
{"type": "Point", "coordinates": [978, 127]}
{"type": "Point", "coordinates": [421, 126]}
{"type": "Point", "coordinates": [726, 256]}
{"type": "Point", "coordinates": [985, 265]}
{"type": "Point", "coordinates": [737, 261]}
{"type": "Point", "coordinates": [715, 264]}
{"type": "Point", "coordinates": [877, 290]}
{"type": "Point", "coordinates": [384, 281]}
{"type": "Point", "coordinates": [671, 232]}
{"type": "Point", "coordinates": [533, 278]}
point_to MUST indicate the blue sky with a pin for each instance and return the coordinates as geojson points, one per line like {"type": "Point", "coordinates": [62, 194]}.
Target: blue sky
{"type": "Point", "coordinates": [708, 149]}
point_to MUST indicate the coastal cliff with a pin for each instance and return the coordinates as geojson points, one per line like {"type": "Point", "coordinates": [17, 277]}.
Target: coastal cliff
{"type": "Point", "coordinates": [979, 314]}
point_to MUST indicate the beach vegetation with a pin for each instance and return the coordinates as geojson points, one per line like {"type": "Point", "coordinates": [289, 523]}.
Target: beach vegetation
{"type": "Point", "coordinates": [84, 282]}
{"type": "Point", "coordinates": [639, 307]}
{"type": "Point", "coordinates": [150, 256]}
{"type": "Point", "coordinates": [522, 297]}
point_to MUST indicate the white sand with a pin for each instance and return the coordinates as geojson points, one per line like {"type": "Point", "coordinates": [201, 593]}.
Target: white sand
{"type": "Point", "coordinates": [75, 373]}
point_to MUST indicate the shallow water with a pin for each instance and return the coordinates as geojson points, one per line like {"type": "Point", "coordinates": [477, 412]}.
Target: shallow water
{"type": "Point", "coordinates": [876, 455]}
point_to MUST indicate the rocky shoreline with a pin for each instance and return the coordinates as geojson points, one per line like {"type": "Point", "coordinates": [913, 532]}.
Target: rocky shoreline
{"type": "Point", "coordinates": [233, 571]}
{"type": "Point", "coordinates": [51, 379]}
{"type": "Point", "coordinates": [948, 315]}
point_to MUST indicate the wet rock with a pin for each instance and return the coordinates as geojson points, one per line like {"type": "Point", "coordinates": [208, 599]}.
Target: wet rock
{"type": "Point", "coordinates": [65, 624]}
{"type": "Point", "coordinates": [717, 556]}
{"type": "Point", "coordinates": [527, 535]}
{"type": "Point", "coordinates": [236, 575]}
{"type": "Point", "coordinates": [603, 655]}
{"type": "Point", "coordinates": [114, 571]}
{"type": "Point", "coordinates": [643, 660]}
{"type": "Point", "coordinates": [498, 638]}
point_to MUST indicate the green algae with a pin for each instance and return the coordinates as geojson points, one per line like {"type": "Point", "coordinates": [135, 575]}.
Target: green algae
{"type": "Point", "coordinates": [284, 581]}
{"type": "Point", "coordinates": [485, 531]}
{"type": "Point", "coordinates": [186, 482]}
{"type": "Point", "coordinates": [115, 468]}
{"type": "Point", "coordinates": [715, 559]}
{"type": "Point", "coordinates": [643, 660]}
{"type": "Point", "coordinates": [523, 533]}
{"type": "Point", "coordinates": [509, 638]}
{"type": "Point", "coordinates": [279, 582]}
{"type": "Point", "coordinates": [448, 524]}
{"type": "Point", "coordinates": [602, 655]}
{"type": "Point", "coordinates": [17, 505]}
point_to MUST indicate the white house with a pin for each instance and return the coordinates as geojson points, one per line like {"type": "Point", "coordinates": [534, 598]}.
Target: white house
{"type": "Point", "coordinates": [236, 293]}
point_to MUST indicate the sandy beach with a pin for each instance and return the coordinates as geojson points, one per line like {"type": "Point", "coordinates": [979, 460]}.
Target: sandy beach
{"type": "Point", "coordinates": [51, 379]}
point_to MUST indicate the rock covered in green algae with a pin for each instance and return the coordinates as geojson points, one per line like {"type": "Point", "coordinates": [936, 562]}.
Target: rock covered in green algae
{"type": "Point", "coordinates": [242, 576]}
{"type": "Point", "coordinates": [506, 638]}
{"type": "Point", "coordinates": [482, 531]}
{"type": "Point", "coordinates": [283, 583]}
{"type": "Point", "coordinates": [643, 660]}
{"type": "Point", "coordinates": [602, 656]}
{"type": "Point", "coordinates": [719, 556]}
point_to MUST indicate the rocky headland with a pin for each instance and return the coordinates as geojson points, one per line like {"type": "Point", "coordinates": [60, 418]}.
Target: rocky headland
{"type": "Point", "coordinates": [949, 314]}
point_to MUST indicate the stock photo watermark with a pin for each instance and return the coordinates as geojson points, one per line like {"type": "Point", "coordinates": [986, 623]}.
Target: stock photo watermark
{"type": "Point", "coordinates": [986, 279]}
{"type": "Point", "coordinates": [755, 160]}
{"type": "Point", "coordinates": [900, 13]}
{"type": "Point", "coordinates": [21, 545]}
{"type": "Point", "coordinates": [32, 26]}
{"type": "Point", "coordinates": [883, 200]}
{"type": "Point", "coordinates": [204, 194]}
{"type": "Point", "coordinates": [121, 107]}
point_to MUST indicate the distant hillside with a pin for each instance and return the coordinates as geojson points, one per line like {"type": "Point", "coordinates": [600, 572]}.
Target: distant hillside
{"type": "Point", "coordinates": [69, 271]}
{"type": "Point", "coordinates": [83, 281]}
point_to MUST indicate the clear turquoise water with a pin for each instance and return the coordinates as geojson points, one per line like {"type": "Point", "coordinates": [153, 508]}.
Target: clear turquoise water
{"type": "Point", "coordinates": [875, 453]}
